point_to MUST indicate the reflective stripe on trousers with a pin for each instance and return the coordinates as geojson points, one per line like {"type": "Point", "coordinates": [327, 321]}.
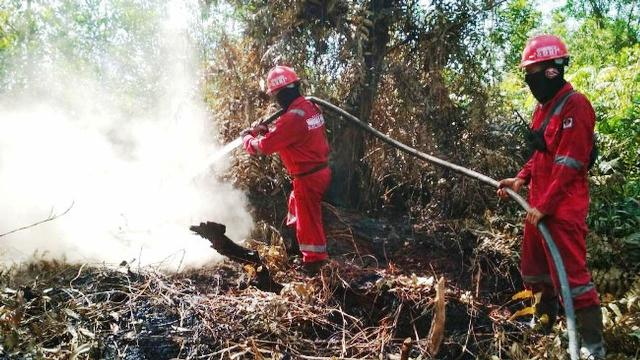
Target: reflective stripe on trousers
{"type": "Point", "coordinates": [581, 290]}
{"type": "Point", "coordinates": [313, 248]}
{"type": "Point", "coordinates": [544, 278]}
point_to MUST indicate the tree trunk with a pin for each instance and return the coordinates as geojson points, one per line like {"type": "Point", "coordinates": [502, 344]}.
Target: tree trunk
{"type": "Point", "coordinates": [349, 173]}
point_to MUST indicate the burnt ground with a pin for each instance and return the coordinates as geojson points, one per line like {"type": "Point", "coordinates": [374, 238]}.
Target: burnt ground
{"type": "Point", "coordinates": [379, 290]}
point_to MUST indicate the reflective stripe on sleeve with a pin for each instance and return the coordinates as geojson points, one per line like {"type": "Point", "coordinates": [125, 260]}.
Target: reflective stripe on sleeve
{"type": "Point", "coordinates": [298, 112]}
{"type": "Point", "coordinates": [568, 162]}
{"type": "Point", "coordinates": [313, 248]}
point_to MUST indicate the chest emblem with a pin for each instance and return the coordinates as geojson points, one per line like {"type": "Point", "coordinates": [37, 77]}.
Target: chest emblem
{"type": "Point", "coordinates": [567, 123]}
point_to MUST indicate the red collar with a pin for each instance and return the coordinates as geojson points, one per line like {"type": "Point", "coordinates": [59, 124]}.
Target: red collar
{"type": "Point", "coordinates": [296, 102]}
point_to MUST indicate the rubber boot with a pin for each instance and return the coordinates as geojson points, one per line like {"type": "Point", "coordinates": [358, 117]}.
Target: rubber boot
{"type": "Point", "coordinates": [547, 312]}
{"type": "Point", "coordinates": [313, 268]}
{"type": "Point", "coordinates": [589, 321]}
{"type": "Point", "coordinates": [290, 242]}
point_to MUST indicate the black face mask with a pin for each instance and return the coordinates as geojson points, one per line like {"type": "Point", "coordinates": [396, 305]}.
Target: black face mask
{"type": "Point", "coordinates": [286, 96]}
{"type": "Point", "coordinates": [542, 87]}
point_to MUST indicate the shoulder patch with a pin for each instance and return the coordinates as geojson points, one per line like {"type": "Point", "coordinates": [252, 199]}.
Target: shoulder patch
{"type": "Point", "coordinates": [315, 122]}
{"type": "Point", "coordinates": [567, 123]}
{"type": "Point", "coordinates": [298, 112]}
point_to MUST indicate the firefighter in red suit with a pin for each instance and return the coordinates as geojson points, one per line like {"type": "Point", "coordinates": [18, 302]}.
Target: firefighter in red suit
{"type": "Point", "coordinates": [299, 138]}
{"type": "Point", "coordinates": [562, 139]}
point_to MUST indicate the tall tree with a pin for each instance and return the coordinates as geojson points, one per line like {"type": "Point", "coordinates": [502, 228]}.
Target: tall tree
{"type": "Point", "coordinates": [349, 170]}
{"type": "Point", "coordinates": [400, 65]}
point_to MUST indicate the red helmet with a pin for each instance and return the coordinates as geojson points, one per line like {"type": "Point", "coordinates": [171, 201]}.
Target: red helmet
{"type": "Point", "coordinates": [542, 48]}
{"type": "Point", "coordinates": [279, 77]}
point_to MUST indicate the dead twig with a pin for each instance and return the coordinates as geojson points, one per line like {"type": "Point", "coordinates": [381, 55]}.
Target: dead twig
{"type": "Point", "coordinates": [51, 217]}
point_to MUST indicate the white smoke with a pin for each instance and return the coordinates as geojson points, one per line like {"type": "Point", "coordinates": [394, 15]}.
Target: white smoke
{"type": "Point", "coordinates": [69, 139]}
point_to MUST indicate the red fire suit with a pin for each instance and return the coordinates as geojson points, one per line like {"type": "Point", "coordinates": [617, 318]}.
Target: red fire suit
{"type": "Point", "coordinates": [558, 187]}
{"type": "Point", "coordinates": [299, 138]}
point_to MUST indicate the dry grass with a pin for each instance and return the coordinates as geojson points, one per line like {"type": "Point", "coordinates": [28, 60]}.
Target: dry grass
{"type": "Point", "coordinates": [60, 311]}
{"type": "Point", "coordinates": [55, 310]}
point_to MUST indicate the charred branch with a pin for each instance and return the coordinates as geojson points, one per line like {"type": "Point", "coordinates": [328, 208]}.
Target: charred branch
{"type": "Point", "coordinates": [215, 233]}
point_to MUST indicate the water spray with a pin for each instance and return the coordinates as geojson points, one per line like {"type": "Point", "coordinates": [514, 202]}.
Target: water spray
{"type": "Point", "coordinates": [218, 155]}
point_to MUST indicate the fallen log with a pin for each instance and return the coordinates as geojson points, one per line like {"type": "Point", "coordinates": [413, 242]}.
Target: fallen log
{"type": "Point", "coordinates": [215, 233]}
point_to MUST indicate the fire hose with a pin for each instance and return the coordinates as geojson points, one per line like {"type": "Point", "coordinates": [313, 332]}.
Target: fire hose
{"type": "Point", "coordinates": [555, 254]}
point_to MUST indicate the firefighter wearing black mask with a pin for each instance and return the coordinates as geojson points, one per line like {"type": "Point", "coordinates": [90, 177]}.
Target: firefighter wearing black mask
{"type": "Point", "coordinates": [557, 177]}
{"type": "Point", "coordinates": [285, 97]}
{"type": "Point", "coordinates": [547, 79]}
